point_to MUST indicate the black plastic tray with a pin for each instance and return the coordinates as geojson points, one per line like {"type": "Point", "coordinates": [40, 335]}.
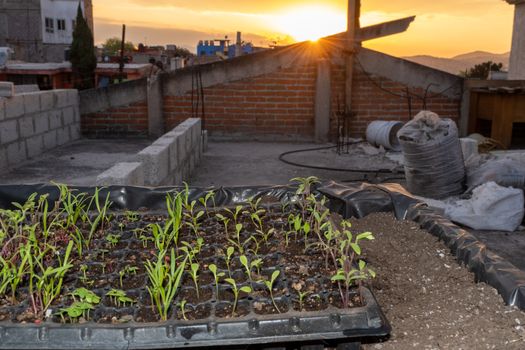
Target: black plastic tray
{"type": "Point", "coordinates": [367, 321]}
{"type": "Point", "coordinates": [340, 325]}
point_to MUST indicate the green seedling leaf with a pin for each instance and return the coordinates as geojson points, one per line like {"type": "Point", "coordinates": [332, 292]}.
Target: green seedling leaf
{"type": "Point", "coordinates": [246, 289]}
{"type": "Point", "coordinates": [356, 248]}
{"type": "Point", "coordinates": [365, 235]}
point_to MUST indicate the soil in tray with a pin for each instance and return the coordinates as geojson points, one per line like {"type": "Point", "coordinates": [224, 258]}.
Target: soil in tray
{"type": "Point", "coordinates": [116, 256]}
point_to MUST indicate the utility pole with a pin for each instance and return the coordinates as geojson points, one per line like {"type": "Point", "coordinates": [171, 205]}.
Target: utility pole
{"type": "Point", "coordinates": [121, 63]}
{"type": "Point", "coordinates": [353, 26]}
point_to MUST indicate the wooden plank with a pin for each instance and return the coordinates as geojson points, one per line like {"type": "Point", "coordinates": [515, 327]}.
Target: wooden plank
{"type": "Point", "coordinates": [384, 29]}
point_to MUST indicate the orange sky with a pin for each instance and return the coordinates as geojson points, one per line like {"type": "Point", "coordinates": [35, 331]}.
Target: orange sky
{"type": "Point", "coordinates": [442, 28]}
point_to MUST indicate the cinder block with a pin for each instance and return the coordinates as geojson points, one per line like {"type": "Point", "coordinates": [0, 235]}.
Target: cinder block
{"type": "Point", "coordinates": [7, 89]}
{"type": "Point", "coordinates": [181, 149]}
{"type": "Point", "coordinates": [74, 131]}
{"type": "Point", "coordinates": [3, 161]}
{"type": "Point", "coordinates": [171, 143]}
{"type": "Point", "coordinates": [16, 153]}
{"type": "Point", "coordinates": [204, 141]}
{"type": "Point", "coordinates": [47, 100]}
{"type": "Point", "coordinates": [8, 131]}
{"type": "Point", "coordinates": [72, 97]}
{"type": "Point", "coordinates": [35, 146]}
{"type": "Point", "coordinates": [2, 108]}
{"type": "Point", "coordinates": [41, 123]}
{"type": "Point", "coordinates": [31, 102]}
{"type": "Point", "coordinates": [63, 136]}
{"type": "Point", "coordinates": [61, 98]}
{"type": "Point", "coordinates": [77, 114]}
{"type": "Point", "coordinates": [14, 106]}
{"type": "Point", "coordinates": [155, 160]}
{"type": "Point", "coordinates": [55, 119]}
{"type": "Point", "coordinates": [50, 139]}
{"type": "Point", "coordinates": [68, 115]}
{"type": "Point", "coordinates": [127, 174]}
{"type": "Point", "coordinates": [26, 127]}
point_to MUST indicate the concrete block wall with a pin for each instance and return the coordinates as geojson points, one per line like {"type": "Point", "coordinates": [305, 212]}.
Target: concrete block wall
{"type": "Point", "coordinates": [169, 160]}
{"type": "Point", "coordinates": [33, 123]}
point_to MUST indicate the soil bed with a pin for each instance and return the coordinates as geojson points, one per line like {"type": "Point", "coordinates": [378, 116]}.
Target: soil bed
{"type": "Point", "coordinates": [430, 300]}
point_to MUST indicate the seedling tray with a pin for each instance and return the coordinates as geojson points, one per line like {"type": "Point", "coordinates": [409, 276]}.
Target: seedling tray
{"type": "Point", "coordinates": [207, 320]}
{"type": "Point", "coordinates": [331, 324]}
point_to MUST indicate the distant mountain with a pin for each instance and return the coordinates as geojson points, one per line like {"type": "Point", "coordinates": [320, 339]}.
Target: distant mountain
{"type": "Point", "coordinates": [460, 63]}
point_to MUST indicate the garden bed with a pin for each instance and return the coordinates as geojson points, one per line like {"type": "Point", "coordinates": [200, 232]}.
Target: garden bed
{"type": "Point", "coordinates": [77, 273]}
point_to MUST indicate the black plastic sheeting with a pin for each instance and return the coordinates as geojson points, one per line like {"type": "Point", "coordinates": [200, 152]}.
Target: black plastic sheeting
{"type": "Point", "coordinates": [350, 200]}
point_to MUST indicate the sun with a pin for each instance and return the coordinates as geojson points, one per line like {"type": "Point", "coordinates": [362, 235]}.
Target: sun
{"type": "Point", "coordinates": [311, 22]}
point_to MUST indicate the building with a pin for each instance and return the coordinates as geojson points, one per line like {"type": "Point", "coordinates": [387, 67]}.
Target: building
{"type": "Point", "coordinates": [221, 48]}
{"type": "Point", "coordinates": [40, 30]}
{"type": "Point", "coordinates": [51, 75]}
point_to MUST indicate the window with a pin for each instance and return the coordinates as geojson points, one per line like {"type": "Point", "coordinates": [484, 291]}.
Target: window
{"type": "Point", "coordinates": [61, 24]}
{"type": "Point", "coordinates": [50, 25]}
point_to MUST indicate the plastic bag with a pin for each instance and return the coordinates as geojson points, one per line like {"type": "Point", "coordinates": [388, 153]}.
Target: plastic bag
{"type": "Point", "coordinates": [434, 165]}
{"type": "Point", "coordinates": [492, 207]}
{"type": "Point", "coordinates": [508, 171]}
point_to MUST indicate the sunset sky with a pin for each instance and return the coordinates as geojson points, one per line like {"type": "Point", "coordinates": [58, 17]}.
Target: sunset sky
{"type": "Point", "coordinates": [442, 28]}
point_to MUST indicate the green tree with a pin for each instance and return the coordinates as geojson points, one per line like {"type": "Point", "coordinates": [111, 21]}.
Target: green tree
{"type": "Point", "coordinates": [482, 70]}
{"type": "Point", "coordinates": [82, 55]}
{"type": "Point", "coordinates": [112, 46]}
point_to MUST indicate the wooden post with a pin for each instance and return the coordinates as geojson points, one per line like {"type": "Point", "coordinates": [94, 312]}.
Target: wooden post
{"type": "Point", "coordinates": [122, 47]}
{"type": "Point", "coordinates": [353, 26]}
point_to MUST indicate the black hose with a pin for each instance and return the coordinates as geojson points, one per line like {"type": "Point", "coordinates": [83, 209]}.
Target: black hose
{"type": "Point", "coordinates": [359, 171]}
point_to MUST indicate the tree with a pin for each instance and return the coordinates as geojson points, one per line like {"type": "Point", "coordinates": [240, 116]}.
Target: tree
{"type": "Point", "coordinates": [82, 55]}
{"type": "Point", "coordinates": [112, 46]}
{"type": "Point", "coordinates": [482, 70]}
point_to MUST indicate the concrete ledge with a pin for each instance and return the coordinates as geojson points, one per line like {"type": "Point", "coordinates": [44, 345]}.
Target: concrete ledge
{"type": "Point", "coordinates": [127, 174]}
{"type": "Point", "coordinates": [168, 161]}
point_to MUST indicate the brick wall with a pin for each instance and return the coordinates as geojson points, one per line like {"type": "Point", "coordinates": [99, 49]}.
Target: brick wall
{"type": "Point", "coordinates": [127, 121]}
{"type": "Point", "coordinates": [280, 103]}
{"type": "Point", "coordinates": [377, 98]}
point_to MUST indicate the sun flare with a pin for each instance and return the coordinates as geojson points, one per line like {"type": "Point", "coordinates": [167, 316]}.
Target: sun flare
{"type": "Point", "coordinates": [311, 23]}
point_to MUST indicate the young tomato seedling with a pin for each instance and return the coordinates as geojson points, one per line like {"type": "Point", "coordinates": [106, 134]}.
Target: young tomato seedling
{"type": "Point", "coordinates": [236, 291]}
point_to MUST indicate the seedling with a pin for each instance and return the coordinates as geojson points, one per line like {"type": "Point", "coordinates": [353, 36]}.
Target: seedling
{"type": "Point", "coordinates": [164, 281]}
{"type": "Point", "coordinates": [236, 291]}
{"type": "Point", "coordinates": [247, 267]}
{"type": "Point", "coordinates": [182, 306]}
{"type": "Point", "coordinates": [127, 271]}
{"type": "Point", "coordinates": [75, 311]}
{"type": "Point", "coordinates": [195, 277]}
{"type": "Point", "coordinates": [225, 221]}
{"type": "Point", "coordinates": [235, 214]}
{"type": "Point", "coordinates": [119, 297]}
{"type": "Point", "coordinates": [113, 239]}
{"type": "Point", "coordinates": [204, 201]}
{"type": "Point", "coordinates": [84, 278]}
{"type": "Point", "coordinates": [85, 296]}
{"type": "Point", "coordinates": [229, 254]}
{"type": "Point", "coordinates": [302, 296]}
{"type": "Point", "coordinates": [132, 216]}
{"type": "Point", "coordinates": [257, 263]}
{"type": "Point", "coordinates": [216, 276]}
{"type": "Point", "coordinates": [254, 204]}
{"type": "Point", "coordinates": [269, 285]}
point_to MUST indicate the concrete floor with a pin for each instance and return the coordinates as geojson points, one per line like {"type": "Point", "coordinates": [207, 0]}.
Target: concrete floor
{"type": "Point", "coordinates": [257, 163]}
{"type": "Point", "coordinates": [77, 163]}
